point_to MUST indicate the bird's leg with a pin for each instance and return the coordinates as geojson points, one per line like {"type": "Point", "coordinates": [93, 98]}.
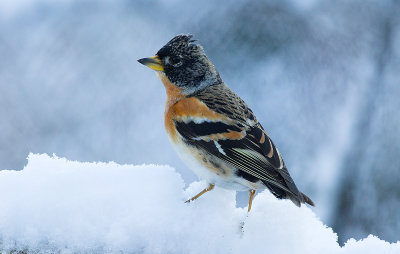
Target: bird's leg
{"type": "Point", "coordinates": [251, 193]}
{"type": "Point", "coordinates": [210, 187]}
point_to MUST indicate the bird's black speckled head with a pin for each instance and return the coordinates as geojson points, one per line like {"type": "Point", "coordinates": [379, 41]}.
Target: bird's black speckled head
{"type": "Point", "coordinates": [184, 63]}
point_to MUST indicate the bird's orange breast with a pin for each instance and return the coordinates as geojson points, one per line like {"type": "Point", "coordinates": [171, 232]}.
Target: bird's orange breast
{"type": "Point", "coordinates": [178, 107]}
{"type": "Point", "coordinates": [174, 94]}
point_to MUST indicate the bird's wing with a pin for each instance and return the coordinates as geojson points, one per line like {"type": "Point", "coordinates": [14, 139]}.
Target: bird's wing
{"type": "Point", "coordinates": [225, 127]}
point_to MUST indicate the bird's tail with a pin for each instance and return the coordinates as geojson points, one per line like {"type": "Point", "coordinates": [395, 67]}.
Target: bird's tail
{"type": "Point", "coordinates": [307, 199]}
{"type": "Point", "coordinates": [299, 199]}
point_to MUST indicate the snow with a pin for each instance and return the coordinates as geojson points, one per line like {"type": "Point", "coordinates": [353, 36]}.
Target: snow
{"type": "Point", "coordinates": [57, 205]}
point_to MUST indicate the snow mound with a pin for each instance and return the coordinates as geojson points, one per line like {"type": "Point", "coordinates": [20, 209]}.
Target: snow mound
{"type": "Point", "coordinates": [60, 206]}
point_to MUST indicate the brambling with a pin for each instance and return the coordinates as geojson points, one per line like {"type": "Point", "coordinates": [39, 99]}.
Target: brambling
{"type": "Point", "coordinates": [213, 130]}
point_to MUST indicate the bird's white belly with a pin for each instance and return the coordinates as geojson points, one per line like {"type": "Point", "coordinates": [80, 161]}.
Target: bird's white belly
{"type": "Point", "coordinates": [223, 176]}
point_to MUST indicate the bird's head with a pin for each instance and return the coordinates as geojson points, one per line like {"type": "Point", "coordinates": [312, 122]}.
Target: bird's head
{"type": "Point", "coordinates": [184, 63]}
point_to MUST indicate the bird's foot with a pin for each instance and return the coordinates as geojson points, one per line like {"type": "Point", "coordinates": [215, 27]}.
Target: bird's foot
{"type": "Point", "coordinates": [210, 187]}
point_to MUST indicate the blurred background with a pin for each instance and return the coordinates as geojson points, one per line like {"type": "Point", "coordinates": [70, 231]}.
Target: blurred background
{"type": "Point", "coordinates": [323, 77]}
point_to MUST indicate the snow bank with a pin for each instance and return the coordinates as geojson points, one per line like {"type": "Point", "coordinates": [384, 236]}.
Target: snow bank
{"type": "Point", "coordinates": [56, 205]}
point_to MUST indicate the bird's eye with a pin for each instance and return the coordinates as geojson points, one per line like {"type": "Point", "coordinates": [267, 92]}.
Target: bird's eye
{"type": "Point", "coordinates": [176, 61]}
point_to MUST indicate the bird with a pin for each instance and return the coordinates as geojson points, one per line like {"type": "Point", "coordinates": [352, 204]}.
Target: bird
{"type": "Point", "coordinates": [213, 130]}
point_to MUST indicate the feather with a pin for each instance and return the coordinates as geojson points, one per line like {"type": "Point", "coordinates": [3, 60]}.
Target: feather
{"type": "Point", "coordinates": [251, 152]}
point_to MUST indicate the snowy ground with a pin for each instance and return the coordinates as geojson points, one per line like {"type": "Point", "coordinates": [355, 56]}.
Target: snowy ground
{"type": "Point", "coordinates": [56, 205]}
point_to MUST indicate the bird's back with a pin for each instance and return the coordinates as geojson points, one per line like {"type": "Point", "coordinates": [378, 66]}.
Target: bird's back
{"type": "Point", "coordinates": [252, 153]}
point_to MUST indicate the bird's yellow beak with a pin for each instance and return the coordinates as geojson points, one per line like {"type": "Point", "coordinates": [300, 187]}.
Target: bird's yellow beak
{"type": "Point", "coordinates": [153, 63]}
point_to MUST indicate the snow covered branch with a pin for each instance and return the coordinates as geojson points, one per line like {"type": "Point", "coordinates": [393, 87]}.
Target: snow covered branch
{"type": "Point", "coordinates": [56, 205]}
